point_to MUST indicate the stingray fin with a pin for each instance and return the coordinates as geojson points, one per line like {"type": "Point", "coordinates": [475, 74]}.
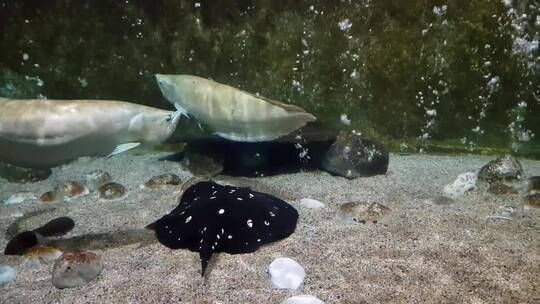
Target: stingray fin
{"type": "Point", "coordinates": [123, 148]}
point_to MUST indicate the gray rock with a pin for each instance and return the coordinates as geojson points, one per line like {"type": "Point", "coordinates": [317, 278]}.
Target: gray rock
{"type": "Point", "coordinates": [352, 156]}
{"type": "Point", "coordinates": [504, 168]}
{"type": "Point", "coordinates": [7, 274]}
{"type": "Point", "coordinates": [74, 269]}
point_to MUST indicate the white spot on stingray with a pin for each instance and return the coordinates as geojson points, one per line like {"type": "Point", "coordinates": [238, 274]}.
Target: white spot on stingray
{"type": "Point", "coordinates": [272, 213]}
{"type": "Point", "coordinates": [201, 241]}
{"type": "Point", "coordinates": [196, 198]}
{"type": "Point", "coordinates": [212, 197]}
{"type": "Point", "coordinates": [217, 235]}
{"type": "Point", "coordinates": [259, 240]}
{"type": "Point", "coordinates": [251, 195]}
{"type": "Point", "coordinates": [170, 231]}
{"type": "Point", "coordinates": [204, 229]}
{"type": "Point", "coordinates": [212, 247]}
{"type": "Point", "coordinates": [188, 219]}
{"type": "Point", "coordinates": [232, 191]}
{"type": "Point", "coordinates": [266, 223]}
{"type": "Point", "coordinates": [229, 236]}
{"type": "Point", "coordinates": [222, 231]}
{"type": "Point", "coordinates": [215, 244]}
{"type": "Point", "coordinates": [221, 211]}
{"type": "Point", "coordinates": [179, 239]}
{"type": "Point", "coordinates": [166, 226]}
{"type": "Point", "coordinates": [239, 198]}
{"type": "Point", "coordinates": [213, 193]}
{"type": "Point", "coordinates": [250, 223]}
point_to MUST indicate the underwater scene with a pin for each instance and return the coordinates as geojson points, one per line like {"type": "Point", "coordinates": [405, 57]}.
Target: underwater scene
{"type": "Point", "coordinates": [269, 151]}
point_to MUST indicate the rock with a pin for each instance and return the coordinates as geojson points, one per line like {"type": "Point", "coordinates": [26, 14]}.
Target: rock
{"type": "Point", "coordinates": [21, 197]}
{"type": "Point", "coordinates": [75, 269]}
{"type": "Point", "coordinates": [311, 203]}
{"type": "Point", "coordinates": [96, 179]}
{"type": "Point", "coordinates": [532, 201]}
{"type": "Point", "coordinates": [286, 273]}
{"type": "Point", "coordinates": [362, 212]}
{"type": "Point", "coordinates": [49, 197]}
{"type": "Point", "coordinates": [500, 188]}
{"type": "Point", "coordinates": [352, 156]}
{"type": "Point", "coordinates": [69, 190]}
{"type": "Point", "coordinates": [533, 185]}
{"type": "Point", "coordinates": [112, 191]}
{"type": "Point", "coordinates": [7, 274]}
{"type": "Point", "coordinates": [463, 183]}
{"type": "Point", "coordinates": [21, 175]}
{"type": "Point", "coordinates": [43, 254]}
{"type": "Point", "coordinates": [163, 180]}
{"type": "Point", "coordinates": [505, 168]}
{"type": "Point", "coordinates": [303, 299]}
{"type": "Point", "coordinates": [442, 200]}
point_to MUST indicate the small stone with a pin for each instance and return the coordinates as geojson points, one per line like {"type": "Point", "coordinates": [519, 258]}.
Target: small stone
{"type": "Point", "coordinates": [49, 197]}
{"type": "Point", "coordinates": [112, 191]}
{"type": "Point", "coordinates": [534, 185]}
{"type": "Point", "coordinates": [22, 175]}
{"type": "Point", "coordinates": [286, 273]}
{"type": "Point", "coordinates": [362, 212]}
{"type": "Point", "coordinates": [7, 274]}
{"type": "Point", "coordinates": [532, 201]}
{"type": "Point", "coordinates": [464, 182]}
{"type": "Point", "coordinates": [75, 269]}
{"type": "Point", "coordinates": [163, 180]}
{"type": "Point", "coordinates": [352, 156]}
{"type": "Point", "coordinates": [311, 203]}
{"type": "Point", "coordinates": [500, 188]}
{"type": "Point", "coordinates": [96, 179]}
{"type": "Point", "coordinates": [303, 299]}
{"type": "Point", "coordinates": [69, 190]}
{"type": "Point", "coordinates": [43, 254]}
{"type": "Point", "coordinates": [21, 197]}
{"type": "Point", "coordinates": [505, 168]}
{"type": "Point", "coordinates": [442, 200]}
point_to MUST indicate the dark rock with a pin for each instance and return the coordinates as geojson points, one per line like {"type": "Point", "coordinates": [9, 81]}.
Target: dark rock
{"type": "Point", "coordinates": [534, 185]}
{"type": "Point", "coordinates": [505, 168]}
{"type": "Point", "coordinates": [112, 191]}
{"type": "Point", "coordinates": [352, 156]}
{"type": "Point", "coordinates": [500, 188]}
{"type": "Point", "coordinates": [162, 180]}
{"type": "Point", "coordinates": [15, 174]}
{"type": "Point", "coordinates": [533, 200]}
{"type": "Point", "coordinates": [74, 269]}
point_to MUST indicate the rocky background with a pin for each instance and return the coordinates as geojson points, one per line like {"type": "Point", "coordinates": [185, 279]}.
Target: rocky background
{"type": "Point", "coordinates": [418, 75]}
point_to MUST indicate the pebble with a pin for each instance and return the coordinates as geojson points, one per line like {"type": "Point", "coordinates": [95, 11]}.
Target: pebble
{"type": "Point", "coordinates": [311, 203]}
{"type": "Point", "coordinates": [163, 180]}
{"type": "Point", "coordinates": [286, 273]}
{"type": "Point", "coordinates": [303, 299]}
{"type": "Point", "coordinates": [96, 179]}
{"type": "Point", "coordinates": [21, 197]}
{"type": "Point", "coordinates": [75, 269]}
{"type": "Point", "coordinates": [112, 191]}
{"type": "Point", "coordinates": [69, 190]}
{"type": "Point", "coordinates": [362, 212]}
{"type": "Point", "coordinates": [49, 197]}
{"type": "Point", "coordinates": [7, 274]}
{"type": "Point", "coordinates": [464, 182]}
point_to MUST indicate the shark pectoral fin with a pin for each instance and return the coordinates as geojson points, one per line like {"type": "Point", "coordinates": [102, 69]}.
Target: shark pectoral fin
{"type": "Point", "coordinates": [123, 148]}
{"type": "Point", "coordinates": [181, 110]}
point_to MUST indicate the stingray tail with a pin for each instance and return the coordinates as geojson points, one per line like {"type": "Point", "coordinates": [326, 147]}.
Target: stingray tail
{"type": "Point", "coordinates": [207, 248]}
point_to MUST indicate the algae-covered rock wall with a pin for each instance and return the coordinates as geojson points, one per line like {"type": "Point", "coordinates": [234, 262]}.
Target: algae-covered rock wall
{"type": "Point", "coordinates": [418, 74]}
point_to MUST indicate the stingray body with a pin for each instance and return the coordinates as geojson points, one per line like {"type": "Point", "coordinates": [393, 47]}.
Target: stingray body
{"type": "Point", "coordinates": [215, 218]}
{"type": "Point", "coordinates": [232, 113]}
{"type": "Point", "coordinates": [45, 133]}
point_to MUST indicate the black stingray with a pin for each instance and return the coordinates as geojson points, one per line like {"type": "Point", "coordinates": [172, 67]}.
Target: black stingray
{"type": "Point", "coordinates": [215, 218]}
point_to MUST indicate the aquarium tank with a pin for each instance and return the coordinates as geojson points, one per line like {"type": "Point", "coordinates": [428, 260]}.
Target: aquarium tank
{"type": "Point", "coordinates": [322, 151]}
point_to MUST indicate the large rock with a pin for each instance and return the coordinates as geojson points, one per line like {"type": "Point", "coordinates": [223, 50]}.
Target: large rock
{"type": "Point", "coordinates": [504, 168]}
{"type": "Point", "coordinates": [17, 174]}
{"type": "Point", "coordinates": [352, 156]}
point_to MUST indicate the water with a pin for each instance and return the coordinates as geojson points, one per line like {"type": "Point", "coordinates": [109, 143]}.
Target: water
{"type": "Point", "coordinates": [412, 100]}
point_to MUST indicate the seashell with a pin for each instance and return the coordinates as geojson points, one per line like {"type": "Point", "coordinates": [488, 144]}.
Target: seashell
{"type": "Point", "coordinates": [71, 189]}
{"type": "Point", "coordinates": [163, 180]}
{"type": "Point", "coordinates": [112, 191]}
{"type": "Point", "coordinates": [49, 197]}
{"type": "Point", "coordinates": [97, 178]}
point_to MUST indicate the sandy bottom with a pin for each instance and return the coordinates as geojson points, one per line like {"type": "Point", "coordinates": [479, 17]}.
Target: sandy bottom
{"type": "Point", "coordinates": [419, 252]}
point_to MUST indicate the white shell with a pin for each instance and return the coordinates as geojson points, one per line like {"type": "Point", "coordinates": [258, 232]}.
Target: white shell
{"type": "Point", "coordinates": [303, 299]}
{"type": "Point", "coordinates": [311, 203]}
{"type": "Point", "coordinates": [463, 183]}
{"type": "Point", "coordinates": [286, 273]}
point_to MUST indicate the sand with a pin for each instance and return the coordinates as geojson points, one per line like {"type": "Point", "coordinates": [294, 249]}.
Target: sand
{"type": "Point", "coordinates": [419, 252]}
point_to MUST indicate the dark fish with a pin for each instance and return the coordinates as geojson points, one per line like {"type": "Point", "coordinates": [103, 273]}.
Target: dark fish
{"type": "Point", "coordinates": [215, 218]}
{"type": "Point", "coordinates": [23, 241]}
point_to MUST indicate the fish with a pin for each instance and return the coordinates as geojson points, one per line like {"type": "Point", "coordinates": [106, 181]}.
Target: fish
{"type": "Point", "coordinates": [232, 113]}
{"type": "Point", "coordinates": [218, 218]}
{"type": "Point", "coordinates": [41, 133]}
{"type": "Point", "coordinates": [25, 240]}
